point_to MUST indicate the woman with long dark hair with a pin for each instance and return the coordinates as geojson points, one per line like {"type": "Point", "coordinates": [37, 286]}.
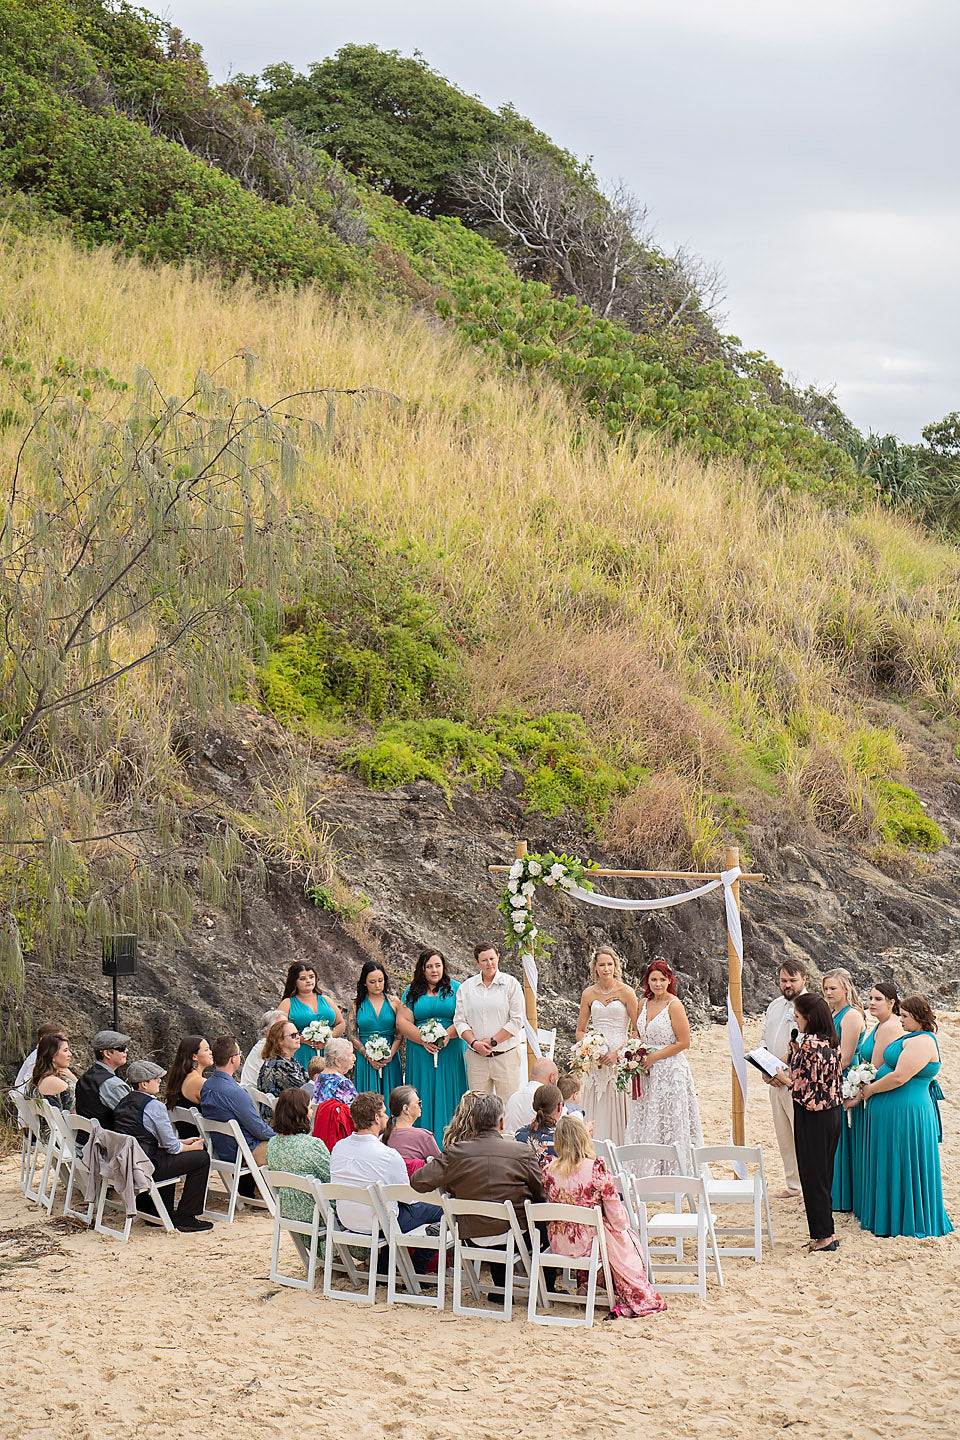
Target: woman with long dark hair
{"type": "Point", "coordinates": [668, 1111]}
{"type": "Point", "coordinates": [52, 1079]}
{"type": "Point", "coordinates": [883, 1004]}
{"type": "Point", "coordinates": [373, 1023]}
{"type": "Point", "coordinates": [436, 1071]}
{"type": "Point", "coordinates": [185, 1076]}
{"type": "Point", "coordinates": [814, 1076]}
{"type": "Point", "coordinates": [902, 1189]}
{"type": "Point", "coordinates": [303, 1002]}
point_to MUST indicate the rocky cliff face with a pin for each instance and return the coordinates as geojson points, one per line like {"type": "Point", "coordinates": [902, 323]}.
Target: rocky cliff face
{"type": "Point", "coordinates": [424, 869]}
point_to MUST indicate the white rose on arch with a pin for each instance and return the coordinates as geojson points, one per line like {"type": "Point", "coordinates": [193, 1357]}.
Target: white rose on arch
{"type": "Point", "coordinates": [528, 887]}
{"type": "Point", "coordinates": [516, 869]}
{"type": "Point", "coordinates": [556, 871]}
{"type": "Point", "coordinates": [535, 868]}
{"type": "Point", "coordinates": [513, 886]}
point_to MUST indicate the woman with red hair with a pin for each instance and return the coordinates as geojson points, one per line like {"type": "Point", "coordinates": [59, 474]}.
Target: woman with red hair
{"type": "Point", "coordinates": [667, 1113]}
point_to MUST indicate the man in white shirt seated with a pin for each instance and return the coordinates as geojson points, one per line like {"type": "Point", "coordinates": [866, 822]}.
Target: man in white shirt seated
{"type": "Point", "coordinates": [362, 1159]}
{"type": "Point", "coordinates": [778, 1023]}
{"type": "Point", "coordinates": [250, 1073]}
{"type": "Point", "coordinates": [489, 1016]}
{"type": "Point", "coordinates": [519, 1108]}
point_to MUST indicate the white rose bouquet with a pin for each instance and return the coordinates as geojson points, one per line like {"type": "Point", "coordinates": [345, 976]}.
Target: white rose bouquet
{"type": "Point", "coordinates": [433, 1032]}
{"type": "Point", "coordinates": [317, 1033]}
{"type": "Point", "coordinates": [588, 1051]}
{"type": "Point", "coordinates": [377, 1049]}
{"type": "Point", "coordinates": [855, 1077]}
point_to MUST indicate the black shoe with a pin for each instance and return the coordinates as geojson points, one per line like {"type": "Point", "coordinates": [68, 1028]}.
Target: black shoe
{"type": "Point", "coordinates": [824, 1249]}
{"type": "Point", "coordinates": [191, 1223]}
{"type": "Point", "coordinates": [432, 1229]}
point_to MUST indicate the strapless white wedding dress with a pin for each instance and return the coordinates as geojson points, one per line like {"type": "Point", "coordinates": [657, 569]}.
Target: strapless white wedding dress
{"type": "Point", "coordinates": [602, 1101]}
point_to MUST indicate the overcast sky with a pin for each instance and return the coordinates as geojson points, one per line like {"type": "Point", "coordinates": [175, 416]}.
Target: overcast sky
{"type": "Point", "coordinates": [808, 147]}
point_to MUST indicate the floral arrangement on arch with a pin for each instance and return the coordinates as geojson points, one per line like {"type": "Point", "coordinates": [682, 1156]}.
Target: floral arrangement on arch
{"type": "Point", "coordinates": [563, 872]}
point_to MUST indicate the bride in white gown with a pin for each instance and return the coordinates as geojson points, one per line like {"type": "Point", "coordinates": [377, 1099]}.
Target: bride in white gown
{"type": "Point", "coordinates": [610, 1006]}
{"type": "Point", "coordinates": [668, 1111]}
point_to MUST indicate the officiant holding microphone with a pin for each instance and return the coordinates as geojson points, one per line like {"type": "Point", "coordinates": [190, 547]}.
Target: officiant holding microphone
{"type": "Point", "coordinates": [778, 1025]}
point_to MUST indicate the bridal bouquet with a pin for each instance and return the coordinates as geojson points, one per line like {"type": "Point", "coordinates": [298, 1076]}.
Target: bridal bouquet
{"type": "Point", "coordinates": [630, 1067]}
{"type": "Point", "coordinates": [586, 1052]}
{"type": "Point", "coordinates": [377, 1049]}
{"type": "Point", "coordinates": [856, 1076]}
{"type": "Point", "coordinates": [433, 1032]}
{"type": "Point", "coordinates": [317, 1033]}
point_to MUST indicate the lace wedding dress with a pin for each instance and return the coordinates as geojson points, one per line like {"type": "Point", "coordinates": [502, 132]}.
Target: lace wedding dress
{"type": "Point", "coordinates": [668, 1111]}
{"type": "Point", "coordinates": [602, 1101]}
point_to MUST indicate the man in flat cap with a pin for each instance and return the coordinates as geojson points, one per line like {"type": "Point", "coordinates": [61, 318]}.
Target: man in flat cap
{"type": "Point", "coordinates": [141, 1115]}
{"type": "Point", "coordinates": [100, 1089]}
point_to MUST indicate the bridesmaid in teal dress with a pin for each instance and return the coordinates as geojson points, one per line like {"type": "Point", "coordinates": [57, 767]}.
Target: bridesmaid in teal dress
{"type": "Point", "coordinates": [375, 1013]}
{"type": "Point", "coordinates": [849, 1023]}
{"type": "Point", "coordinates": [302, 1002]}
{"type": "Point", "coordinates": [432, 995]}
{"type": "Point", "coordinates": [903, 1190]}
{"type": "Point", "coordinates": [884, 1005]}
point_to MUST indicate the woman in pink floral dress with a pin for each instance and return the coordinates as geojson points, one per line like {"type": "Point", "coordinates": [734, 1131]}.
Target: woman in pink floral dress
{"type": "Point", "coordinates": [577, 1177]}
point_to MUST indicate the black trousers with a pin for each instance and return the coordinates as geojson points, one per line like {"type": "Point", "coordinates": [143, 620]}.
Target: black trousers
{"type": "Point", "coordinates": [498, 1273]}
{"type": "Point", "coordinates": [816, 1134]}
{"type": "Point", "coordinates": [194, 1166]}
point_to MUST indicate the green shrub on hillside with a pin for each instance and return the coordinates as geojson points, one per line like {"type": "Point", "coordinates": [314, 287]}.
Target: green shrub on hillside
{"type": "Point", "coordinates": [901, 819]}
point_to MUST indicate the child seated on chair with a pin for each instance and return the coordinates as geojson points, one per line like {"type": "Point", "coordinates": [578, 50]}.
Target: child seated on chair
{"type": "Point", "coordinates": [571, 1088]}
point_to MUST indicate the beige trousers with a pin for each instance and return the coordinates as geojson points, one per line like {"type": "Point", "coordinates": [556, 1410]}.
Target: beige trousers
{"type": "Point", "coordinates": [781, 1101]}
{"type": "Point", "coordinates": [496, 1074]}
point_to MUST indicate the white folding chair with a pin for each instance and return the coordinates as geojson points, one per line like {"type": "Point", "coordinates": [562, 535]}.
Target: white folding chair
{"type": "Point", "coordinates": [590, 1219]}
{"type": "Point", "coordinates": [231, 1172]}
{"type": "Point", "coordinates": [72, 1133]}
{"type": "Point", "coordinates": [33, 1147]}
{"type": "Point", "coordinates": [305, 1235]}
{"type": "Point", "coordinates": [731, 1191]}
{"type": "Point", "coordinates": [53, 1153]}
{"type": "Point", "coordinates": [400, 1243]}
{"type": "Point", "coordinates": [153, 1189]}
{"type": "Point", "coordinates": [548, 1043]}
{"type": "Point", "coordinates": [260, 1097]}
{"type": "Point", "coordinates": [339, 1240]}
{"type": "Point", "coordinates": [185, 1115]}
{"type": "Point", "coordinates": [695, 1225]}
{"type": "Point", "coordinates": [649, 1161]}
{"type": "Point", "coordinates": [509, 1250]}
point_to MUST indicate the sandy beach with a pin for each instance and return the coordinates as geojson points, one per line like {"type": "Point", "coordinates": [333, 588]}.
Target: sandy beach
{"type": "Point", "coordinates": [184, 1336]}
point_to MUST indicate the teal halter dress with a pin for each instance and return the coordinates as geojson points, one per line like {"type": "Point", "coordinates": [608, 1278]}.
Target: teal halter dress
{"type": "Point", "coordinates": [902, 1191]}
{"type": "Point", "coordinates": [302, 1015]}
{"type": "Point", "coordinates": [369, 1023]}
{"type": "Point", "coordinates": [439, 1086]}
{"type": "Point", "coordinates": [842, 1190]}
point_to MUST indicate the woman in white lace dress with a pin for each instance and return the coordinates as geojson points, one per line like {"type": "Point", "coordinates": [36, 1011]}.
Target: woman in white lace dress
{"type": "Point", "coordinates": [668, 1111]}
{"type": "Point", "coordinates": [609, 1005]}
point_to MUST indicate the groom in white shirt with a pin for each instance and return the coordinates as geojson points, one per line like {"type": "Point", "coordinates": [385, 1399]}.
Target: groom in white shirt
{"type": "Point", "coordinates": [778, 1023]}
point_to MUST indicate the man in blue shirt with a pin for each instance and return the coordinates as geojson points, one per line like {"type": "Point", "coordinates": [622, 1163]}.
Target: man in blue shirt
{"type": "Point", "coordinates": [222, 1099]}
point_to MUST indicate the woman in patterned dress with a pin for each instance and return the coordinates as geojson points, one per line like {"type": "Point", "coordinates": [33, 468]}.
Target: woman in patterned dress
{"type": "Point", "coordinates": [668, 1112]}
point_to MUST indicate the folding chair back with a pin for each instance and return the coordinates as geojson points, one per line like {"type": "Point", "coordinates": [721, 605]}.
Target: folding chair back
{"type": "Point", "coordinates": [696, 1225]}
{"type": "Point", "coordinates": [590, 1219]}
{"type": "Point", "coordinates": [400, 1244]}
{"type": "Point", "coordinates": [648, 1161]}
{"type": "Point", "coordinates": [339, 1239]}
{"type": "Point", "coordinates": [468, 1255]}
{"type": "Point", "coordinates": [734, 1190]}
{"type": "Point", "coordinates": [53, 1152]}
{"type": "Point", "coordinates": [33, 1147]}
{"type": "Point", "coordinates": [304, 1234]}
{"type": "Point", "coordinates": [73, 1133]}
{"type": "Point", "coordinates": [232, 1171]}
{"type": "Point", "coordinates": [548, 1043]}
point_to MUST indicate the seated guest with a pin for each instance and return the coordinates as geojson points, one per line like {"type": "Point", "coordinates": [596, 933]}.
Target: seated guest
{"type": "Point", "coordinates": [250, 1073]}
{"type": "Point", "coordinates": [185, 1079]}
{"type": "Point", "coordinates": [547, 1109]}
{"type": "Point", "coordinates": [52, 1079]}
{"type": "Point", "coordinates": [295, 1150]}
{"type": "Point", "coordinates": [519, 1111]}
{"type": "Point", "coordinates": [360, 1159]}
{"type": "Point", "coordinates": [576, 1177]}
{"type": "Point", "coordinates": [332, 1082]}
{"type": "Point", "coordinates": [571, 1088]}
{"type": "Point", "coordinates": [461, 1121]}
{"type": "Point", "coordinates": [485, 1166]}
{"type": "Point", "coordinates": [49, 1027]}
{"type": "Point", "coordinates": [223, 1099]}
{"type": "Point", "coordinates": [314, 1068]}
{"type": "Point", "coordinates": [413, 1144]}
{"type": "Point", "coordinates": [280, 1071]}
{"type": "Point", "coordinates": [100, 1089]}
{"type": "Point", "coordinates": [141, 1115]}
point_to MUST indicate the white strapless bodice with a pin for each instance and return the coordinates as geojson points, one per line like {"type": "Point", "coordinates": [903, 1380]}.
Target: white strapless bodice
{"type": "Point", "coordinates": [611, 1020]}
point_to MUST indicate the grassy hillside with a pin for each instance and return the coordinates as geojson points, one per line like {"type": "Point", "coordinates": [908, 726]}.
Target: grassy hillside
{"type": "Point", "coordinates": [472, 577]}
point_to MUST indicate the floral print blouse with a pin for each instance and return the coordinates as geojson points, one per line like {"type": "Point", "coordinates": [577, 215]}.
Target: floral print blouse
{"type": "Point", "coordinates": [815, 1072]}
{"type": "Point", "coordinates": [540, 1142]}
{"type": "Point", "coordinates": [328, 1086]}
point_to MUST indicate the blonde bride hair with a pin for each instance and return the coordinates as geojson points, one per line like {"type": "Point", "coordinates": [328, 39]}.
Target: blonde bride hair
{"type": "Point", "coordinates": [617, 962]}
{"type": "Point", "coordinates": [571, 1143]}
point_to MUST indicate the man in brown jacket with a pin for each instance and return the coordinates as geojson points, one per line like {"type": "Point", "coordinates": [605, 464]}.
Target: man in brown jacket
{"type": "Point", "coordinates": [487, 1166]}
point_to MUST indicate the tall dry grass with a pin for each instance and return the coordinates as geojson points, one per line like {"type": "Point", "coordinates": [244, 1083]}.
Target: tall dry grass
{"type": "Point", "coordinates": [685, 611]}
